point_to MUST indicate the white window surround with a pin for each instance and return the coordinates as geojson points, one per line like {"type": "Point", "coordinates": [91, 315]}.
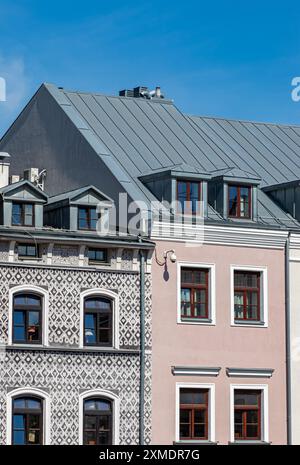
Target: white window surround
{"type": "Point", "coordinates": [264, 312]}
{"type": "Point", "coordinates": [211, 410]}
{"type": "Point", "coordinates": [264, 408]}
{"type": "Point", "coordinates": [212, 292]}
{"type": "Point", "coordinates": [115, 411]}
{"type": "Point", "coordinates": [114, 297]}
{"type": "Point", "coordinates": [29, 391]}
{"type": "Point", "coordinates": [27, 288]}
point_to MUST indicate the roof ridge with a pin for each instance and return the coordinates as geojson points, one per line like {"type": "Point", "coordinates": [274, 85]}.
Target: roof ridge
{"type": "Point", "coordinates": [240, 120]}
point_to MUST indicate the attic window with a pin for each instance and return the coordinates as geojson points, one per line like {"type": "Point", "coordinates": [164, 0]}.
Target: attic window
{"type": "Point", "coordinates": [87, 218]}
{"type": "Point", "coordinates": [22, 214]}
{"type": "Point", "coordinates": [239, 200]}
{"type": "Point", "coordinates": [188, 197]}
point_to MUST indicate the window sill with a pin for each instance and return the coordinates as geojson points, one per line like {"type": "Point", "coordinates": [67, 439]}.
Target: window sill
{"type": "Point", "coordinates": [204, 322]}
{"type": "Point", "coordinates": [249, 443]}
{"type": "Point", "coordinates": [255, 324]}
{"type": "Point", "coordinates": [195, 443]}
{"type": "Point", "coordinates": [82, 350]}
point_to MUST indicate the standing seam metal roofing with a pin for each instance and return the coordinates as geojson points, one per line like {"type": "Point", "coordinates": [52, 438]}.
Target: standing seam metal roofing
{"type": "Point", "coordinates": [136, 136]}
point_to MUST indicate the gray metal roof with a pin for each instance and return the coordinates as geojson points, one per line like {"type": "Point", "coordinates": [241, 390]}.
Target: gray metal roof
{"type": "Point", "coordinates": [135, 136]}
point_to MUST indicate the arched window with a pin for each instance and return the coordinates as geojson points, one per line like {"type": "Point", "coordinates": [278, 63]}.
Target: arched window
{"type": "Point", "coordinates": [98, 324]}
{"type": "Point", "coordinates": [27, 420]}
{"type": "Point", "coordinates": [97, 421]}
{"type": "Point", "coordinates": [27, 318]}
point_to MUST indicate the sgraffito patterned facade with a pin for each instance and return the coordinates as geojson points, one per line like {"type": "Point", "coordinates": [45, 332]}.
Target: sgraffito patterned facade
{"type": "Point", "coordinates": [62, 369]}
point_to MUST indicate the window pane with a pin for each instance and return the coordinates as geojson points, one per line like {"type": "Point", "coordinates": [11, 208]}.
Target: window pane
{"type": "Point", "coordinates": [19, 334]}
{"type": "Point", "coordinates": [186, 302]}
{"type": "Point", "coordinates": [90, 329]}
{"type": "Point", "coordinates": [252, 416]}
{"type": "Point", "coordinates": [186, 276]}
{"type": "Point", "coordinates": [199, 431]}
{"type": "Point", "coordinates": [103, 438]}
{"type": "Point", "coordinates": [90, 438]}
{"type": "Point", "coordinates": [200, 310]}
{"type": "Point", "coordinates": [103, 422]}
{"type": "Point", "coordinates": [90, 404]}
{"type": "Point", "coordinates": [90, 422]}
{"type": "Point", "coordinates": [104, 321]}
{"type": "Point", "coordinates": [238, 431]}
{"type": "Point", "coordinates": [244, 193]}
{"type": "Point", "coordinates": [31, 251]}
{"type": "Point", "coordinates": [184, 431]}
{"type": "Point", "coordinates": [192, 396]}
{"type": "Point", "coordinates": [104, 336]}
{"type": "Point", "coordinates": [245, 398]}
{"type": "Point", "coordinates": [182, 188]}
{"type": "Point", "coordinates": [252, 431]}
{"type": "Point", "coordinates": [103, 405]}
{"type": "Point", "coordinates": [34, 404]}
{"type": "Point", "coordinates": [199, 416]}
{"type": "Point", "coordinates": [200, 277]}
{"type": "Point", "coordinates": [19, 318]}
{"type": "Point", "coordinates": [33, 318]}
{"type": "Point", "coordinates": [184, 416]}
{"type": "Point", "coordinates": [19, 403]}
{"type": "Point", "coordinates": [19, 437]}
{"type": "Point", "coordinates": [19, 421]}
{"type": "Point", "coordinates": [33, 436]}
{"type": "Point", "coordinates": [16, 214]}
{"type": "Point", "coordinates": [233, 200]}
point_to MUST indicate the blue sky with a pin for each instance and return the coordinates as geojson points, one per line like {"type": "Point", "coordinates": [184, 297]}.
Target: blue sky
{"type": "Point", "coordinates": [225, 58]}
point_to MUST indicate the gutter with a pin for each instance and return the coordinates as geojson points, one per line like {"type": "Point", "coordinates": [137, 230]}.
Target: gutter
{"type": "Point", "coordinates": [288, 341]}
{"type": "Point", "coordinates": [142, 350]}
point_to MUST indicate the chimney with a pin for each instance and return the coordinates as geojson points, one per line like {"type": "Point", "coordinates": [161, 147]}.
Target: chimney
{"type": "Point", "coordinates": [31, 174]}
{"type": "Point", "coordinates": [4, 168]}
{"type": "Point", "coordinates": [157, 92]}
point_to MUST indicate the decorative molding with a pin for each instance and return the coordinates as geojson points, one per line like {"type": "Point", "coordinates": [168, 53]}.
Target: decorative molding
{"type": "Point", "coordinates": [220, 235]}
{"type": "Point", "coordinates": [211, 321]}
{"type": "Point", "coordinates": [114, 297]}
{"type": "Point", "coordinates": [249, 372]}
{"type": "Point", "coordinates": [195, 371]}
{"type": "Point", "coordinates": [264, 313]}
{"type": "Point", "coordinates": [265, 408]}
{"type": "Point", "coordinates": [46, 411]}
{"type": "Point", "coordinates": [116, 411]}
{"type": "Point", "coordinates": [149, 260]}
{"type": "Point", "coordinates": [211, 409]}
{"type": "Point", "coordinates": [45, 309]}
{"type": "Point", "coordinates": [135, 260]}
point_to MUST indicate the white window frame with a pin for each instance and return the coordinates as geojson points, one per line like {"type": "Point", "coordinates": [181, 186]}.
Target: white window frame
{"type": "Point", "coordinates": [211, 267]}
{"type": "Point", "coordinates": [264, 302]}
{"type": "Point", "coordinates": [29, 391]}
{"type": "Point", "coordinates": [26, 288]}
{"type": "Point", "coordinates": [115, 412]}
{"type": "Point", "coordinates": [264, 388]}
{"type": "Point", "coordinates": [211, 411]}
{"type": "Point", "coordinates": [114, 297]}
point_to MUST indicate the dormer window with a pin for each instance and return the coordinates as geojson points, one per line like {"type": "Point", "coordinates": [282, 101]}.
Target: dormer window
{"type": "Point", "coordinates": [189, 196]}
{"type": "Point", "coordinates": [22, 214]}
{"type": "Point", "coordinates": [239, 199]}
{"type": "Point", "coordinates": [87, 218]}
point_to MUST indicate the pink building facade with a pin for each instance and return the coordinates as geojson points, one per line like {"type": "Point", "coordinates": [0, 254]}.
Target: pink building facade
{"type": "Point", "coordinates": [219, 356]}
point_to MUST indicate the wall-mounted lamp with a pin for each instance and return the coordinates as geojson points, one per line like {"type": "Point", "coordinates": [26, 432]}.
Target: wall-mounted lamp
{"type": "Point", "coordinates": [167, 253]}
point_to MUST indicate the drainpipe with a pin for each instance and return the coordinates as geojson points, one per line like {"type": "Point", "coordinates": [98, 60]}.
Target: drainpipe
{"type": "Point", "coordinates": [142, 348]}
{"type": "Point", "coordinates": [288, 340]}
